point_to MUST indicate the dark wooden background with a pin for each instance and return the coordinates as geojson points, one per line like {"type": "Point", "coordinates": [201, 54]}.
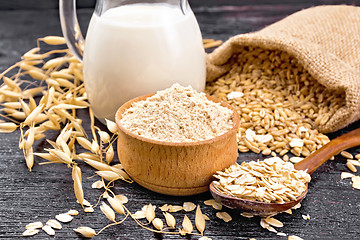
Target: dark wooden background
{"type": "Point", "coordinates": [332, 203]}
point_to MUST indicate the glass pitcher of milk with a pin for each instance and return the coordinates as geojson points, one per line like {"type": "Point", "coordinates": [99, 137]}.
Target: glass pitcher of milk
{"type": "Point", "coordinates": [135, 47]}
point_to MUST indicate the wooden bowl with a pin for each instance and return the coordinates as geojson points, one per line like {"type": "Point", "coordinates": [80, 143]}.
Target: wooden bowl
{"type": "Point", "coordinates": [175, 168]}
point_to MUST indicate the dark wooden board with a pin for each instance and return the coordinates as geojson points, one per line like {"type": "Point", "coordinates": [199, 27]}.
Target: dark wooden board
{"type": "Point", "coordinates": [25, 197]}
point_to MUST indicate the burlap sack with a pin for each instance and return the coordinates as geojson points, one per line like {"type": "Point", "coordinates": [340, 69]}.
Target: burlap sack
{"type": "Point", "coordinates": [325, 40]}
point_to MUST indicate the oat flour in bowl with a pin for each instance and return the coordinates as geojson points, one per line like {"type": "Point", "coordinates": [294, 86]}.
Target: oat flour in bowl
{"type": "Point", "coordinates": [177, 114]}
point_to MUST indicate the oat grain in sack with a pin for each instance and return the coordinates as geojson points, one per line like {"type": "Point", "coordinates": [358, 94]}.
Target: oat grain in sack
{"type": "Point", "coordinates": [324, 40]}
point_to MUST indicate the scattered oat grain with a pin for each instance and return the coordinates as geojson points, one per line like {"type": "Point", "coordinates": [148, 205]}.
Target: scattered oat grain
{"type": "Point", "coordinates": [48, 229]}
{"type": "Point", "coordinates": [346, 154]}
{"type": "Point", "coordinates": [224, 216]}
{"type": "Point", "coordinates": [188, 206]}
{"type": "Point", "coordinates": [34, 225]}
{"type": "Point", "coordinates": [54, 224]}
{"type": "Point", "coordinates": [30, 232]}
{"type": "Point", "coordinates": [64, 217]}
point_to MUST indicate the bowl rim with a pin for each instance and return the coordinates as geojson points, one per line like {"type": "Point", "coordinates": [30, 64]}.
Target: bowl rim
{"type": "Point", "coordinates": [235, 118]}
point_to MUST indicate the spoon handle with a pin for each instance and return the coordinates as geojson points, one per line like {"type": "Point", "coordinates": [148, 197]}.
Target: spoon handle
{"type": "Point", "coordinates": [335, 146]}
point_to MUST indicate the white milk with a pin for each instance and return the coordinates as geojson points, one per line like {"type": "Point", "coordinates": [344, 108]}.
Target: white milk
{"type": "Point", "coordinates": [138, 49]}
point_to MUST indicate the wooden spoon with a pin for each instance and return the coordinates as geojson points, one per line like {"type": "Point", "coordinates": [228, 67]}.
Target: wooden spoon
{"type": "Point", "coordinates": [310, 163]}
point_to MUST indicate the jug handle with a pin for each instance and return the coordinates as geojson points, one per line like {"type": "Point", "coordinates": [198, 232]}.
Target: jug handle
{"type": "Point", "coordinates": [70, 27]}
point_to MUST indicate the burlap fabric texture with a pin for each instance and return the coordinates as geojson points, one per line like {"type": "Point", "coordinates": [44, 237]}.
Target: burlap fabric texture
{"type": "Point", "coordinates": [324, 39]}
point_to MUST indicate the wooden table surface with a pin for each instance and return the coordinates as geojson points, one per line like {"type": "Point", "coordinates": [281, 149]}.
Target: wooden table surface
{"type": "Point", "coordinates": [332, 203]}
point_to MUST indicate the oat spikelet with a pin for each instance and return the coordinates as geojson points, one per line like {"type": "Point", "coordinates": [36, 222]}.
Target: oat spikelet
{"type": "Point", "coordinates": [73, 212]}
{"type": "Point", "coordinates": [187, 225]}
{"type": "Point", "coordinates": [98, 165]}
{"type": "Point", "coordinates": [158, 224]}
{"type": "Point", "coordinates": [98, 184]}
{"type": "Point", "coordinates": [109, 154]}
{"type": "Point", "coordinates": [121, 173]}
{"type": "Point", "coordinates": [32, 116]}
{"type": "Point", "coordinates": [25, 107]}
{"type": "Point", "coordinates": [150, 212]}
{"type": "Point", "coordinates": [104, 136]}
{"type": "Point", "coordinates": [108, 175]}
{"type": "Point", "coordinates": [29, 158]}
{"type": "Point", "coordinates": [79, 193]}
{"type": "Point", "coordinates": [116, 204]}
{"type": "Point", "coordinates": [111, 126]}
{"type": "Point", "coordinates": [7, 127]}
{"type": "Point", "coordinates": [31, 137]}
{"type": "Point", "coordinates": [86, 231]}
{"type": "Point", "coordinates": [64, 217]}
{"type": "Point", "coordinates": [48, 157]}
{"type": "Point", "coordinates": [54, 224]}
{"type": "Point", "coordinates": [123, 199]}
{"type": "Point", "coordinates": [170, 220]}
{"type": "Point", "coordinates": [109, 213]}
{"type": "Point", "coordinates": [199, 220]}
{"type": "Point", "coordinates": [139, 215]}
{"type": "Point", "coordinates": [36, 74]}
{"type": "Point", "coordinates": [94, 147]}
{"type": "Point", "coordinates": [175, 208]}
{"type": "Point", "coordinates": [53, 40]}
{"type": "Point", "coordinates": [61, 156]}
